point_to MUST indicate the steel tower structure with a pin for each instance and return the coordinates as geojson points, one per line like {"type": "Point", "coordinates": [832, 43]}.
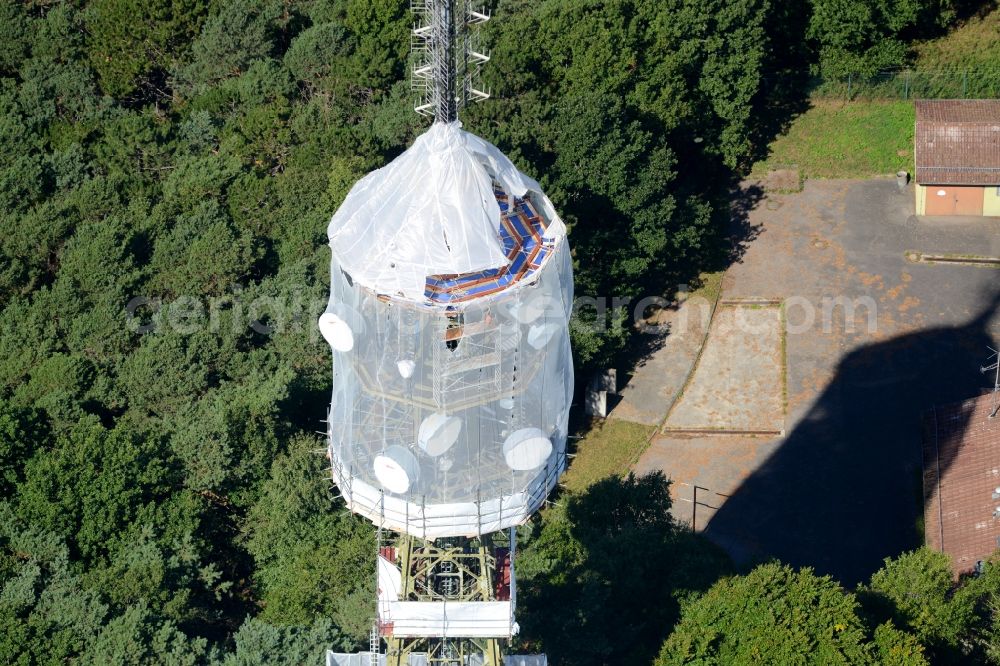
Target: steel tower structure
{"type": "Point", "coordinates": [445, 68]}
{"type": "Point", "coordinates": [451, 290]}
{"type": "Point", "coordinates": [447, 59]}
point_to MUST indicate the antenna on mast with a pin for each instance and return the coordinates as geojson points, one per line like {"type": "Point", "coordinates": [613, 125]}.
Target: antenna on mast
{"type": "Point", "coordinates": [446, 57]}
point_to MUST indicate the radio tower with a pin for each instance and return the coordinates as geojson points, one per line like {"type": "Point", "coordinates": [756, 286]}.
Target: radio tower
{"type": "Point", "coordinates": [451, 291]}
{"type": "Point", "coordinates": [446, 57]}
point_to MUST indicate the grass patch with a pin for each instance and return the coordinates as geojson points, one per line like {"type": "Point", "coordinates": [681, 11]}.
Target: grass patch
{"type": "Point", "coordinates": [972, 45]}
{"type": "Point", "coordinates": [708, 286]}
{"type": "Point", "coordinates": [608, 449]}
{"type": "Point", "coordinates": [838, 139]}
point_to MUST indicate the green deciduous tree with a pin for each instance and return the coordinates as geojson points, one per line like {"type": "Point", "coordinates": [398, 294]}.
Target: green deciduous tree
{"type": "Point", "coordinates": [917, 592]}
{"type": "Point", "coordinates": [313, 557]}
{"type": "Point", "coordinates": [138, 637]}
{"type": "Point", "coordinates": [91, 486]}
{"type": "Point", "coordinates": [317, 56]}
{"type": "Point", "coordinates": [45, 616]}
{"type": "Point", "coordinates": [231, 39]}
{"type": "Point", "coordinates": [861, 37]}
{"type": "Point", "coordinates": [202, 254]}
{"type": "Point", "coordinates": [22, 430]}
{"type": "Point", "coordinates": [778, 615]}
{"type": "Point", "coordinates": [259, 643]}
{"type": "Point", "coordinates": [601, 581]}
{"type": "Point", "coordinates": [49, 614]}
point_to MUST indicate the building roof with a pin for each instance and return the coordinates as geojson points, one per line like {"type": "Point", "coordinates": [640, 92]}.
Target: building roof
{"type": "Point", "coordinates": [961, 458]}
{"type": "Point", "coordinates": [957, 141]}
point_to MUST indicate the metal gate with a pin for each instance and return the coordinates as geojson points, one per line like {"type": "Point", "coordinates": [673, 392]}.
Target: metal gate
{"type": "Point", "coordinates": [953, 200]}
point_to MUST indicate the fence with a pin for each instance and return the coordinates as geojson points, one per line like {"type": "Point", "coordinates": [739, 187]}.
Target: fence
{"type": "Point", "coordinates": [909, 84]}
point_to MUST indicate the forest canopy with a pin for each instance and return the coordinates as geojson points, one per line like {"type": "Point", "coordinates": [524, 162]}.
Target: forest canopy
{"type": "Point", "coordinates": [166, 174]}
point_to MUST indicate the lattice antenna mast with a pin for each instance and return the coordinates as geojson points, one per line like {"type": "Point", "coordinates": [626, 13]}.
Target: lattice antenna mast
{"type": "Point", "coordinates": [446, 58]}
{"type": "Point", "coordinates": [995, 407]}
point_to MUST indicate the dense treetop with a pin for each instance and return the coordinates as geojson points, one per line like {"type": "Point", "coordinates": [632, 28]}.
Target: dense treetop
{"type": "Point", "coordinates": [167, 169]}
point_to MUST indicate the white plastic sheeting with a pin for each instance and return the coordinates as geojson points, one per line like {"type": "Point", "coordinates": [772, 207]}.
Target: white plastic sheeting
{"type": "Point", "coordinates": [390, 580]}
{"type": "Point", "coordinates": [430, 211]}
{"type": "Point", "coordinates": [365, 659]}
{"type": "Point", "coordinates": [447, 619]}
{"type": "Point", "coordinates": [448, 417]}
{"type": "Point", "coordinates": [355, 659]}
{"type": "Point", "coordinates": [433, 520]}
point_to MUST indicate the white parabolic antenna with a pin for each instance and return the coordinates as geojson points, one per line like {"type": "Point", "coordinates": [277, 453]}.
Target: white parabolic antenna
{"type": "Point", "coordinates": [336, 331]}
{"type": "Point", "coordinates": [396, 469]}
{"type": "Point", "coordinates": [438, 432]}
{"type": "Point", "coordinates": [527, 448]}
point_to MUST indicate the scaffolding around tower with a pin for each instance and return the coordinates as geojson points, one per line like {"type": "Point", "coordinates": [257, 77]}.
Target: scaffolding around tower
{"type": "Point", "coordinates": [446, 600]}
{"type": "Point", "coordinates": [451, 291]}
{"type": "Point", "coordinates": [451, 294]}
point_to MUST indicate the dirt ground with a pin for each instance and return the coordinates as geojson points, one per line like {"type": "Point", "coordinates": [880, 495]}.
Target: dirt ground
{"type": "Point", "coordinates": [872, 341]}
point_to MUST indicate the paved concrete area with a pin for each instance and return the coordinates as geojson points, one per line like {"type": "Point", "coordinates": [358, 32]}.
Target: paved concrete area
{"type": "Point", "coordinates": [658, 378]}
{"type": "Point", "coordinates": [717, 464]}
{"type": "Point", "coordinates": [872, 341]}
{"type": "Point", "coordinates": [738, 384]}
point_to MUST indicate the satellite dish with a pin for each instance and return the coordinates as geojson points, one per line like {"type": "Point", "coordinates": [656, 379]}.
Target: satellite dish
{"type": "Point", "coordinates": [540, 334]}
{"type": "Point", "coordinates": [336, 332]}
{"type": "Point", "coordinates": [438, 432]}
{"type": "Point", "coordinates": [527, 449]}
{"type": "Point", "coordinates": [406, 368]}
{"type": "Point", "coordinates": [396, 469]}
{"type": "Point", "coordinates": [530, 309]}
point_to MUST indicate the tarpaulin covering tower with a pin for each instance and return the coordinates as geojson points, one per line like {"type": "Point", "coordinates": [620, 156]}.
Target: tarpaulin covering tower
{"type": "Point", "coordinates": [451, 290]}
{"type": "Point", "coordinates": [451, 293]}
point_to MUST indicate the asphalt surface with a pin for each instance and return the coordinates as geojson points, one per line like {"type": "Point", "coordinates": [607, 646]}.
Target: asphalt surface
{"type": "Point", "coordinates": [672, 345]}
{"type": "Point", "coordinates": [840, 490]}
{"type": "Point", "coordinates": [737, 385]}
